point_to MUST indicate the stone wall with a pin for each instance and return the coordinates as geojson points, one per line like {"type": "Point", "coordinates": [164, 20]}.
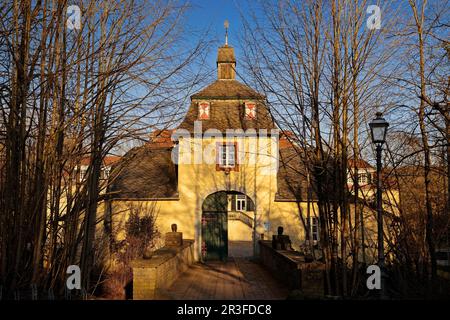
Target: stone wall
{"type": "Point", "coordinates": [289, 267]}
{"type": "Point", "coordinates": [159, 272]}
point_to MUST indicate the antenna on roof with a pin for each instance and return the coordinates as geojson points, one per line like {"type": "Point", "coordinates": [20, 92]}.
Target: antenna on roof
{"type": "Point", "coordinates": [226, 25]}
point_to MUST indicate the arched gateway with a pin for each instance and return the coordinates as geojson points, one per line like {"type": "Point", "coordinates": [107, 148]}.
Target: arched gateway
{"type": "Point", "coordinates": [226, 215]}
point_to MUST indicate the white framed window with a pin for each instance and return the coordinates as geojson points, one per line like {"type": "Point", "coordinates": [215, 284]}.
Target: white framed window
{"type": "Point", "coordinates": [363, 178]}
{"type": "Point", "coordinates": [241, 202]}
{"type": "Point", "coordinates": [227, 155]}
{"type": "Point", "coordinates": [314, 229]}
{"type": "Point", "coordinates": [107, 172]}
{"type": "Point", "coordinates": [104, 174]}
{"type": "Point", "coordinates": [83, 172]}
{"type": "Point", "coordinates": [203, 110]}
{"type": "Point", "coordinates": [250, 111]}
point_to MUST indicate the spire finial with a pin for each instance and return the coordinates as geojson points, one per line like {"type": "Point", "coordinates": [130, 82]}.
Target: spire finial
{"type": "Point", "coordinates": [226, 25]}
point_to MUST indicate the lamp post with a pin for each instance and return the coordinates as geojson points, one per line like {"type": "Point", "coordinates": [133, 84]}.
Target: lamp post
{"type": "Point", "coordinates": [378, 129]}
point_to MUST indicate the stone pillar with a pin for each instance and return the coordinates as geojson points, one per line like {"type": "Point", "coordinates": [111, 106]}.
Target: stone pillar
{"type": "Point", "coordinates": [174, 238]}
{"type": "Point", "coordinates": [313, 279]}
{"type": "Point", "coordinates": [144, 281]}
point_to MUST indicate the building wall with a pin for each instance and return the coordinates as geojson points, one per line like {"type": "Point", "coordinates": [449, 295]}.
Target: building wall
{"type": "Point", "coordinates": [239, 231]}
{"type": "Point", "coordinates": [196, 181]}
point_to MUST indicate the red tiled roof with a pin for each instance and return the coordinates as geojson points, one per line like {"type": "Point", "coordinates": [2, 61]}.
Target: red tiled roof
{"type": "Point", "coordinates": [284, 143]}
{"type": "Point", "coordinates": [161, 139]}
{"type": "Point", "coordinates": [361, 164]}
{"type": "Point", "coordinates": [108, 160]}
{"type": "Point", "coordinates": [287, 139]}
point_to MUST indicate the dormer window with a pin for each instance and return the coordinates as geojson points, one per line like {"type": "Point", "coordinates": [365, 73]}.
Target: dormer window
{"type": "Point", "coordinates": [250, 111]}
{"type": "Point", "coordinates": [203, 110]}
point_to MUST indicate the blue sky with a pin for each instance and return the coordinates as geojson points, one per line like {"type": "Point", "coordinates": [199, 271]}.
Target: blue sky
{"type": "Point", "coordinates": [210, 15]}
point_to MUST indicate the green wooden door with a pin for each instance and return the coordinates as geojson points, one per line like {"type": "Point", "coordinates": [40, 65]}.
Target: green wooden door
{"type": "Point", "coordinates": [214, 227]}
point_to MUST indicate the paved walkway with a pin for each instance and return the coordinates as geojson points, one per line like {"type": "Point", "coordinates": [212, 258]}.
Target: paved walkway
{"type": "Point", "coordinates": [240, 249]}
{"type": "Point", "coordinates": [239, 279]}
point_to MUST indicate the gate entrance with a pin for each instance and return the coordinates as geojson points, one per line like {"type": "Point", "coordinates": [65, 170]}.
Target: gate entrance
{"type": "Point", "coordinates": [214, 227]}
{"type": "Point", "coordinates": [227, 226]}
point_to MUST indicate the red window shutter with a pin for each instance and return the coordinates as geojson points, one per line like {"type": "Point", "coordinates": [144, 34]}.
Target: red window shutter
{"type": "Point", "coordinates": [250, 111]}
{"type": "Point", "coordinates": [203, 110]}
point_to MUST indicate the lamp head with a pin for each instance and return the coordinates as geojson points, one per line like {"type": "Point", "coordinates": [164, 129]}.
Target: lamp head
{"type": "Point", "coordinates": [378, 129]}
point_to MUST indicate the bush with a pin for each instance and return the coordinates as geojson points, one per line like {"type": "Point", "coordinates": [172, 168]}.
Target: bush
{"type": "Point", "coordinates": [141, 235]}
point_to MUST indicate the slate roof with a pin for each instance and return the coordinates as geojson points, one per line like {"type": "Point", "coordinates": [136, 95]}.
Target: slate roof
{"type": "Point", "coordinates": [228, 115]}
{"type": "Point", "coordinates": [292, 180]}
{"type": "Point", "coordinates": [225, 54]}
{"type": "Point", "coordinates": [145, 172]}
{"type": "Point", "coordinates": [227, 89]}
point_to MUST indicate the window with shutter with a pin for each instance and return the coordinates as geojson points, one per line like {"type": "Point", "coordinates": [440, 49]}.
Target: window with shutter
{"type": "Point", "coordinates": [226, 156]}
{"type": "Point", "coordinates": [250, 111]}
{"type": "Point", "coordinates": [233, 202]}
{"type": "Point", "coordinates": [314, 229]}
{"type": "Point", "coordinates": [203, 110]}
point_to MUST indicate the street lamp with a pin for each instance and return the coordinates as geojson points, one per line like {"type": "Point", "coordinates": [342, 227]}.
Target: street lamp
{"type": "Point", "coordinates": [378, 129]}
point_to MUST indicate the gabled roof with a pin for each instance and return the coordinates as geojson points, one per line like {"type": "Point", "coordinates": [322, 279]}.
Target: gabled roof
{"type": "Point", "coordinates": [360, 164]}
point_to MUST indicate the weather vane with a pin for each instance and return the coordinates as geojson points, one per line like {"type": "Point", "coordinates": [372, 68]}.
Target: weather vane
{"type": "Point", "coordinates": [226, 25]}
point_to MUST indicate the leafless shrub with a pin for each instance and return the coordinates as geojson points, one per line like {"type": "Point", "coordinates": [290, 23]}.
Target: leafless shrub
{"type": "Point", "coordinates": [141, 235]}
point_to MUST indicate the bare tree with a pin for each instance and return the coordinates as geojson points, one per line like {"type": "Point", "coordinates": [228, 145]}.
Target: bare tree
{"type": "Point", "coordinates": [73, 94]}
{"type": "Point", "coordinates": [323, 71]}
